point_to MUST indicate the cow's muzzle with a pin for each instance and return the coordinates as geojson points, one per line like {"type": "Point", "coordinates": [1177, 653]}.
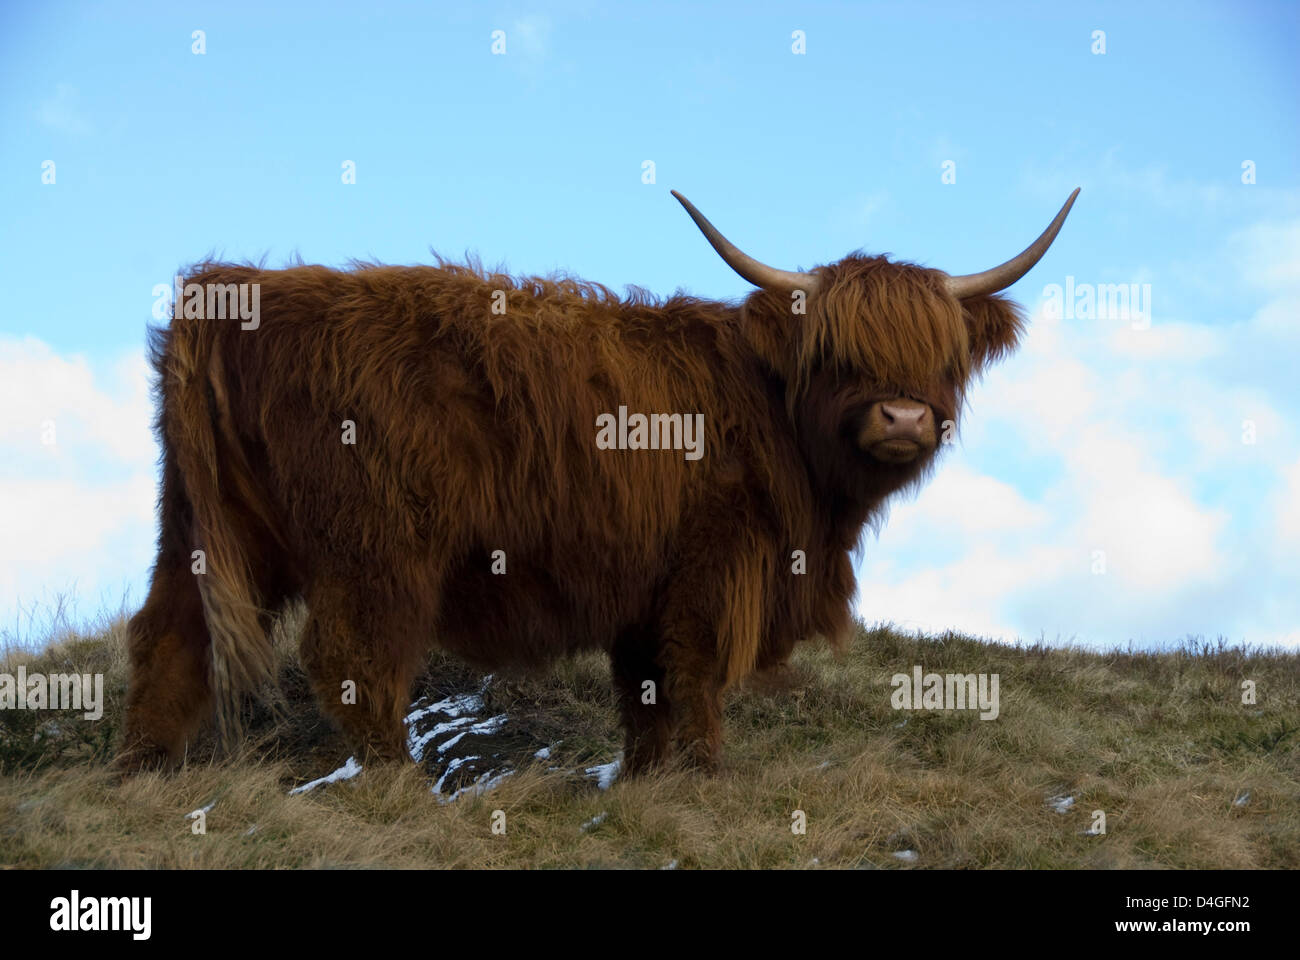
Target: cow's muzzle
{"type": "Point", "coordinates": [898, 431]}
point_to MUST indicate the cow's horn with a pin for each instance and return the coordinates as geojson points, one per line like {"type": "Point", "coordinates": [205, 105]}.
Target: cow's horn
{"type": "Point", "coordinates": [759, 274]}
{"type": "Point", "coordinates": [999, 278]}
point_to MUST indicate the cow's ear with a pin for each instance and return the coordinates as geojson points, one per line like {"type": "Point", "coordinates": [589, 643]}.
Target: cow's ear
{"type": "Point", "coordinates": [994, 325]}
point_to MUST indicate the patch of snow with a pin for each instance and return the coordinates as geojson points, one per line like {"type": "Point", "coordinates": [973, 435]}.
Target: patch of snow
{"type": "Point", "coordinates": [457, 706]}
{"type": "Point", "coordinates": [462, 708]}
{"type": "Point", "coordinates": [1061, 804]}
{"type": "Point", "coordinates": [595, 821]}
{"type": "Point", "coordinates": [461, 711]}
{"type": "Point", "coordinates": [606, 773]}
{"type": "Point", "coordinates": [463, 724]}
{"type": "Point", "coordinates": [1242, 800]}
{"type": "Point", "coordinates": [482, 784]}
{"type": "Point", "coordinates": [907, 856]}
{"type": "Point", "coordinates": [456, 764]}
{"type": "Point", "coordinates": [670, 865]}
{"type": "Point", "coordinates": [460, 704]}
{"type": "Point", "coordinates": [346, 772]}
{"type": "Point", "coordinates": [448, 744]}
{"type": "Point", "coordinates": [416, 745]}
{"type": "Point", "coordinates": [490, 725]}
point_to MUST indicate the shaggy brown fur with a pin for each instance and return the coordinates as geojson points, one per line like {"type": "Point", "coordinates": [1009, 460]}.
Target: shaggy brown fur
{"type": "Point", "coordinates": [476, 432]}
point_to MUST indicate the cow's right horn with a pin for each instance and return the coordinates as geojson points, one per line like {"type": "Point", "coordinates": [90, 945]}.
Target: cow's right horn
{"type": "Point", "coordinates": [759, 274]}
{"type": "Point", "coordinates": [1003, 276]}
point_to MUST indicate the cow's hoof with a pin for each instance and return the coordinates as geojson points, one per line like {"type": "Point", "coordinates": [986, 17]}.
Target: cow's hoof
{"type": "Point", "coordinates": [375, 754]}
{"type": "Point", "coordinates": [141, 756]}
{"type": "Point", "coordinates": [700, 758]}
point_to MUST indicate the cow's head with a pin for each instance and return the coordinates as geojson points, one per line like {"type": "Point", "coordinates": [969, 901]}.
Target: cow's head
{"type": "Point", "coordinates": [877, 355]}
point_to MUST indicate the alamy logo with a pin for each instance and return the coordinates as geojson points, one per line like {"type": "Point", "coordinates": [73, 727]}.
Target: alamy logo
{"type": "Point", "coordinates": [1099, 301]}
{"type": "Point", "coordinates": [57, 691]}
{"type": "Point", "coordinates": [215, 301]}
{"type": "Point", "coordinates": [74, 913]}
{"type": "Point", "coordinates": [953, 691]}
{"type": "Point", "coordinates": [655, 431]}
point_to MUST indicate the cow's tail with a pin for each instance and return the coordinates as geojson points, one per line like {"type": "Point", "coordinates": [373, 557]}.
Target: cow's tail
{"type": "Point", "coordinates": [195, 412]}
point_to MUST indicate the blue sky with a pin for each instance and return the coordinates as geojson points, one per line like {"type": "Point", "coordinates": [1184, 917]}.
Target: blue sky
{"type": "Point", "coordinates": [1096, 437]}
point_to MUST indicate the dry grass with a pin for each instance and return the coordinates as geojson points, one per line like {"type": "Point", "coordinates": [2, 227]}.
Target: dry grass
{"type": "Point", "coordinates": [1158, 741]}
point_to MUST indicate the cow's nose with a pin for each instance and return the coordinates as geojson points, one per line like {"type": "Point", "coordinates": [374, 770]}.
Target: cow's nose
{"type": "Point", "coordinates": [904, 422]}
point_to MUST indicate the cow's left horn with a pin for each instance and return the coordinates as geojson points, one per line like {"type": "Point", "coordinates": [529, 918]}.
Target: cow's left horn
{"type": "Point", "coordinates": [759, 274]}
{"type": "Point", "coordinates": [999, 278]}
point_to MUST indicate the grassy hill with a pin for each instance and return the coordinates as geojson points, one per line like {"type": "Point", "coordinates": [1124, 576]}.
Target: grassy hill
{"type": "Point", "coordinates": [1185, 774]}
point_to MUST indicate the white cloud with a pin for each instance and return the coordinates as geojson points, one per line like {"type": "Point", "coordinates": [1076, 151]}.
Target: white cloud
{"type": "Point", "coordinates": [530, 36]}
{"type": "Point", "coordinates": [1183, 342]}
{"type": "Point", "coordinates": [959, 499]}
{"type": "Point", "coordinates": [40, 388]}
{"type": "Point", "coordinates": [1288, 506]}
{"type": "Point", "coordinates": [76, 514]}
{"type": "Point", "coordinates": [1152, 531]}
{"type": "Point", "coordinates": [63, 111]}
{"type": "Point", "coordinates": [963, 595]}
{"type": "Point", "coordinates": [56, 531]}
{"type": "Point", "coordinates": [1264, 255]}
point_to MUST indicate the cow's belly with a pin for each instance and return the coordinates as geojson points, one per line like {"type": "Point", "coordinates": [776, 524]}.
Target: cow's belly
{"type": "Point", "coordinates": [530, 613]}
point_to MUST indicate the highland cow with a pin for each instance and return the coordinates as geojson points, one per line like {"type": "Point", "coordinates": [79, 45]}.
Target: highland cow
{"type": "Point", "coordinates": [414, 451]}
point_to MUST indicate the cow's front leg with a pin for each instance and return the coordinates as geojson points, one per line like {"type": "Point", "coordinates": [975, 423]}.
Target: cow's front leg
{"type": "Point", "coordinates": [711, 621]}
{"type": "Point", "coordinates": [694, 681]}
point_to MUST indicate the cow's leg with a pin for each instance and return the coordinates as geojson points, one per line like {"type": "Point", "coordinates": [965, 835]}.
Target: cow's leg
{"type": "Point", "coordinates": [694, 682]}
{"type": "Point", "coordinates": [168, 645]}
{"type": "Point", "coordinates": [694, 672]}
{"type": "Point", "coordinates": [711, 622]}
{"type": "Point", "coordinates": [169, 694]}
{"type": "Point", "coordinates": [644, 707]}
{"type": "Point", "coordinates": [361, 652]}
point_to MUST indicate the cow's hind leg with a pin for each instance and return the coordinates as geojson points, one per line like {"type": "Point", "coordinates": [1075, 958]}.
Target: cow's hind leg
{"type": "Point", "coordinates": [642, 698]}
{"type": "Point", "coordinates": [169, 648]}
{"type": "Point", "coordinates": [169, 695]}
{"type": "Point", "coordinates": [361, 652]}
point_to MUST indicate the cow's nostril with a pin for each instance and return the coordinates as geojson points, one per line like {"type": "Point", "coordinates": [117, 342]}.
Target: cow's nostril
{"type": "Point", "coordinates": [903, 422]}
{"type": "Point", "coordinates": [902, 414]}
